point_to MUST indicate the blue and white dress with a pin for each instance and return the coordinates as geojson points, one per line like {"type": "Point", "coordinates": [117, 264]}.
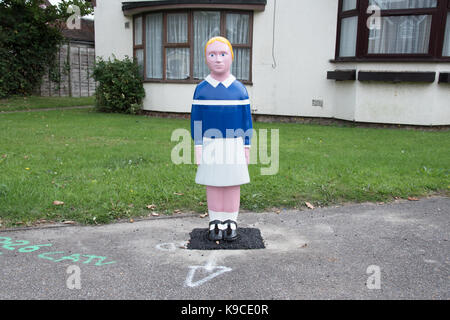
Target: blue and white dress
{"type": "Point", "coordinates": [221, 122]}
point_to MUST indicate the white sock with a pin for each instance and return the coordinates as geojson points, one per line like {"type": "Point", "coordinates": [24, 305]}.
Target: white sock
{"type": "Point", "coordinates": [215, 215]}
{"type": "Point", "coordinates": [231, 216]}
{"type": "Point", "coordinates": [222, 216]}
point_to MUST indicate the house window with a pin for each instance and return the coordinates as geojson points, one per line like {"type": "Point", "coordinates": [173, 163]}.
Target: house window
{"type": "Point", "coordinates": [170, 46]}
{"type": "Point", "coordinates": [393, 30]}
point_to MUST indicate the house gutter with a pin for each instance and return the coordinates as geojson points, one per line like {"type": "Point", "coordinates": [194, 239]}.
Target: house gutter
{"type": "Point", "coordinates": [136, 7]}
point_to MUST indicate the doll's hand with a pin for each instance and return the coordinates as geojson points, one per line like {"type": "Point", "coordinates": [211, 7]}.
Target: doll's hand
{"type": "Point", "coordinates": [198, 154]}
{"type": "Point", "coordinates": [247, 155]}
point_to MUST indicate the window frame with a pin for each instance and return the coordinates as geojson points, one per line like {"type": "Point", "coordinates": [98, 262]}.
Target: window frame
{"type": "Point", "coordinates": [190, 43]}
{"type": "Point", "coordinates": [167, 45]}
{"type": "Point", "coordinates": [437, 33]}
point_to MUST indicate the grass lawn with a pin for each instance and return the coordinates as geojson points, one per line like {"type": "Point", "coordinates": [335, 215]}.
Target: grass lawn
{"type": "Point", "coordinates": [35, 102]}
{"type": "Point", "coordinates": [109, 166]}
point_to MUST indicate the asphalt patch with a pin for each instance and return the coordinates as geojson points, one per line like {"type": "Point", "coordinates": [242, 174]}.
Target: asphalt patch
{"type": "Point", "coordinates": [248, 238]}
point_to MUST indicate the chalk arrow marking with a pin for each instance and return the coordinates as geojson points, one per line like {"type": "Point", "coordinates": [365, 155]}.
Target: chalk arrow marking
{"type": "Point", "coordinates": [189, 279]}
{"type": "Point", "coordinates": [209, 267]}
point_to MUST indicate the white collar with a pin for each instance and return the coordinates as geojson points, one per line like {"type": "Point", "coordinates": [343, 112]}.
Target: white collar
{"type": "Point", "coordinates": [227, 82]}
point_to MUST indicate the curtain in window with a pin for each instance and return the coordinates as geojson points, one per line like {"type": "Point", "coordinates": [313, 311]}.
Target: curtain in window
{"type": "Point", "coordinates": [177, 60]}
{"type": "Point", "coordinates": [349, 29]}
{"type": "Point", "coordinates": [241, 64]}
{"type": "Point", "coordinates": [177, 25]}
{"type": "Point", "coordinates": [403, 4]}
{"type": "Point", "coordinates": [237, 28]}
{"type": "Point", "coordinates": [349, 5]}
{"type": "Point", "coordinates": [401, 35]}
{"type": "Point", "coordinates": [138, 31]}
{"type": "Point", "coordinates": [154, 56]}
{"type": "Point", "coordinates": [140, 61]}
{"type": "Point", "coordinates": [237, 33]}
{"type": "Point", "coordinates": [206, 26]}
{"type": "Point", "coordinates": [446, 51]}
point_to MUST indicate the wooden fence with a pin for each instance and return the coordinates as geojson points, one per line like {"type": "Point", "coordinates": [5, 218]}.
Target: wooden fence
{"type": "Point", "coordinates": [76, 83]}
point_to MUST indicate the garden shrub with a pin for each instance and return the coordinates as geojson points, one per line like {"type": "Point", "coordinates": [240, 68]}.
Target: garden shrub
{"type": "Point", "coordinates": [120, 88]}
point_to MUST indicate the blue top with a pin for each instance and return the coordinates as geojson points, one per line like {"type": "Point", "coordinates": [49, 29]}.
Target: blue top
{"type": "Point", "coordinates": [221, 110]}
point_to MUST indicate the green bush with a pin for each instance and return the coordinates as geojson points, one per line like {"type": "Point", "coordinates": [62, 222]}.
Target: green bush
{"type": "Point", "coordinates": [120, 87]}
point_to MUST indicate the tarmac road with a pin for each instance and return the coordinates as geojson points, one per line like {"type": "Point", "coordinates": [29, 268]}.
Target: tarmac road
{"type": "Point", "coordinates": [398, 250]}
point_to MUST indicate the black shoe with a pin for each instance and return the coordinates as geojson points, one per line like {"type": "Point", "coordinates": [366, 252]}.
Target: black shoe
{"type": "Point", "coordinates": [215, 234]}
{"type": "Point", "coordinates": [230, 234]}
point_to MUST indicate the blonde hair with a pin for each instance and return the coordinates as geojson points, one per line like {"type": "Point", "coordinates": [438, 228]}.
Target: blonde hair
{"type": "Point", "coordinates": [223, 40]}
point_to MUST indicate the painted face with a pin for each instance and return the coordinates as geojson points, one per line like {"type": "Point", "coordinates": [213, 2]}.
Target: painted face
{"type": "Point", "coordinates": [219, 59]}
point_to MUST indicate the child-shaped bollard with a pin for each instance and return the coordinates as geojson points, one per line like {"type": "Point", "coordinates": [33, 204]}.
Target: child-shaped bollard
{"type": "Point", "coordinates": [221, 126]}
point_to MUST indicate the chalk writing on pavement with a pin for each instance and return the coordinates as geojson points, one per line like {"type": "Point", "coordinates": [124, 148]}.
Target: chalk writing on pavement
{"type": "Point", "coordinates": [24, 246]}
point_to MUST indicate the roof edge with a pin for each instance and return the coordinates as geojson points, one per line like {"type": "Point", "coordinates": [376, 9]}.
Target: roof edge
{"type": "Point", "coordinates": [135, 7]}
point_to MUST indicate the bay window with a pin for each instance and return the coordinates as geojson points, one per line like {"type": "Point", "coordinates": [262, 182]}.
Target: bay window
{"type": "Point", "coordinates": [393, 30]}
{"type": "Point", "coordinates": [169, 45]}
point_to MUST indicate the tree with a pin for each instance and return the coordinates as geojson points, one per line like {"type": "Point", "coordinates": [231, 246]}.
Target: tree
{"type": "Point", "coordinates": [30, 35]}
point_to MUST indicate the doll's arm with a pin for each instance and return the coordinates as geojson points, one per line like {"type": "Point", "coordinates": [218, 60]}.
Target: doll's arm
{"type": "Point", "coordinates": [248, 128]}
{"type": "Point", "coordinates": [196, 131]}
{"type": "Point", "coordinates": [247, 154]}
{"type": "Point", "coordinates": [198, 154]}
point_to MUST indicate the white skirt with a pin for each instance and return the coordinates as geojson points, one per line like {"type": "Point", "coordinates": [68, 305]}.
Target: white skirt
{"type": "Point", "coordinates": [223, 163]}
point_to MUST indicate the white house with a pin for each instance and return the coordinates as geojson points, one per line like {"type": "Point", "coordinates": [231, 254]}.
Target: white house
{"type": "Point", "coordinates": [379, 61]}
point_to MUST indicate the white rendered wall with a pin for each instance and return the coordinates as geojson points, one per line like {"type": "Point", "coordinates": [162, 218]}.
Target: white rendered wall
{"type": "Point", "coordinates": [111, 37]}
{"type": "Point", "coordinates": [399, 103]}
{"type": "Point", "coordinates": [305, 33]}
